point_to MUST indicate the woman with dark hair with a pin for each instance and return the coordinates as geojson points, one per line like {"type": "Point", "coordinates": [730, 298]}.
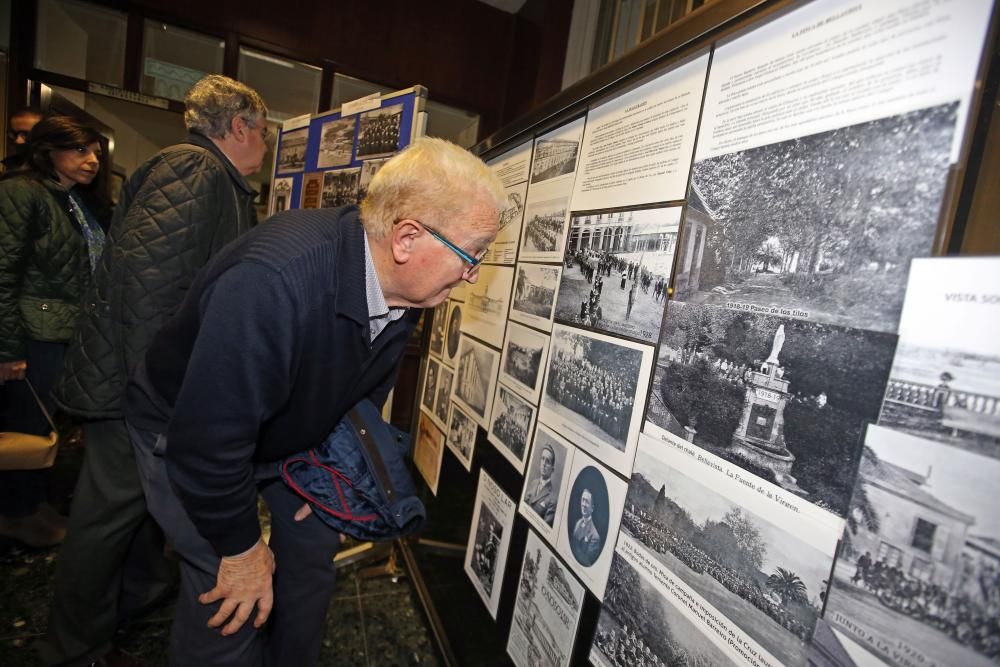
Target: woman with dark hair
{"type": "Point", "coordinates": [52, 216]}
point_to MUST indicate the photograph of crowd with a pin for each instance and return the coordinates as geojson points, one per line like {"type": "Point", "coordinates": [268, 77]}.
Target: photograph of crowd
{"type": "Point", "coordinates": [544, 227]}
{"type": "Point", "coordinates": [593, 391]}
{"type": "Point", "coordinates": [640, 627]}
{"type": "Point", "coordinates": [379, 131]}
{"type": "Point", "coordinates": [784, 399]}
{"type": "Point", "coordinates": [336, 143]}
{"type": "Point", "coordinates": [919, 569]}
{"type": "Point", "coordinates": [475, 378]}
{"type": "Point", "coordinates": [535, 295]}
{"type": "Point", "coordinates": [817, 225]}
{"type": "Point", "coordinates": [461, 437]}
{"type": "Point", "coordinates": [553, 158]}
{"type": "Point", "coordinates": [616, 270]}
{"type": "Point", "coordinates": [340, 187]}
{"type": "Point", "coordinates": [756, 570]}
{"type": "Point", "coordinates": [510, 425]}
{"type": "Point", "coordinates": [292, 151]}
{"type": "Point", "coordinates": [524, 353]}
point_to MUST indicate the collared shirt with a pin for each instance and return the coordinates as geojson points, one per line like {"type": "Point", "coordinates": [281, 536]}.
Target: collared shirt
{"type": "Point", "coordinates": [380, 315]}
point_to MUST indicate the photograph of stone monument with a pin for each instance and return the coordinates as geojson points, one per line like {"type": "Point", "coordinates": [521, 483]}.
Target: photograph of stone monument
{"type": "Point", "coordinates": [786, 400]}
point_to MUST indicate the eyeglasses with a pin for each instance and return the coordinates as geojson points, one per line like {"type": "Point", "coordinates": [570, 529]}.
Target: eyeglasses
{"type": "Point", "coordinates": [472, 262]}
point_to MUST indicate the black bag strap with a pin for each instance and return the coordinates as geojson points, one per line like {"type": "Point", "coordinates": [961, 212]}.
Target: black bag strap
{"type": "Point", "coordinates": [368, 442]}
{"type": "Point", "coordinates": [41, 406]}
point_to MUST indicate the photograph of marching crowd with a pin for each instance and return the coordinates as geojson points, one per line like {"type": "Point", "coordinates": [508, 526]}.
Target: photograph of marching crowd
{"type": "Point", "coordinates": [920, 562]}
{"type": "Point", "coordinates": [640, 627]}
{"type": "Point", "coordinates": [544, 226]}
{"type": "Point", "coordinates": [379, 130]}
{"type": "Point", "coordinates": [510, 425]}
{"type": "Point", "coordinates": [762, 575]}
{"type": "Point", "coordinates": [617, 269]}
{"type": "Point", "coordinates": [336, 143]}
{"type": "Point", "coordinates": [340, 187]}
{"type": "Point", "coordinates": [592, 385]}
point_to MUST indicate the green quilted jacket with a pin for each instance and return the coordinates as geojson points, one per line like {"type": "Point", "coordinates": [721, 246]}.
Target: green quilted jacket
{"type": "Point", "coordinates": [44, 267]}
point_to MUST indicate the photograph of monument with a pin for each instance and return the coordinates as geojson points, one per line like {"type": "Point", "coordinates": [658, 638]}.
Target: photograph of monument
{"type": "Point", "coordinates": [523, 360]}
{"type": "Point", "coordinates": [784, 399]}
{"type": "Point", "coordinates": [534, 299]}
{"type": "Point", "coordinates": [617, 270]}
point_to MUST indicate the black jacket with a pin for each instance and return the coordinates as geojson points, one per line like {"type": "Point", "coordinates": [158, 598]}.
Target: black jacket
{"type": "Point", "coordinates": [269, 350]}
{"type": "Point", "coordinates": [44, 265]}
{"type": "Point", "coordinates": [176, 211]}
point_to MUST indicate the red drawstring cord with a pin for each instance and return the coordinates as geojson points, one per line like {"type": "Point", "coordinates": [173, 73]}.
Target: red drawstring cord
{"type": "Point", "coordinates": [336, 477]}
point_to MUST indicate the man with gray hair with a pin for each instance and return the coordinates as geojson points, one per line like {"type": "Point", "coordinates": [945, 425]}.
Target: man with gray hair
{"type": "Point", "coordinates": [176, 211]}
{"type": "Point", "coordinates": [280, 335]}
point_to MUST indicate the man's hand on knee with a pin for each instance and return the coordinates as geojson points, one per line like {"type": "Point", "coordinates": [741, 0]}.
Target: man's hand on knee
{"type": "Point", "coordinates": [243, 582]}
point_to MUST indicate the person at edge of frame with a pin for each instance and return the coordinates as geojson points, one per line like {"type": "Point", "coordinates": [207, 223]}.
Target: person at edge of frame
{"type": "Point", "coordinates": [281, 334]}
{"type": "Point", "coordinates": [53, 213]}
{"type": "Point", "coordinates": [19, 126]}
{"type": "Point", "coordinates": [176, 211]}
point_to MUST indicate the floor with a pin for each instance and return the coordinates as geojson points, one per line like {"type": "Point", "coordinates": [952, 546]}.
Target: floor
{"type": "Point", "coordinates": [372, 621]}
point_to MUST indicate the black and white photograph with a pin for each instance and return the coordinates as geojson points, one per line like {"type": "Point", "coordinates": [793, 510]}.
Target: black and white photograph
{"type": "Point", "coordinates": [522, 362]}
{"type": "Point", "coordinates": [595, 388]}
{"type": "Point", "coordinates": [453, 333]}
{"type": "Point", "coordinates": [487, 302]}
{"type": "Point", "coordinates": [945, 379]}
{"type": "Point", "coordinates": [616, 271]}
{"type": "Point", "coordinates": [784, 399]}
{"type": "Point", "coordinates": [588, 524]}
{"type": "Point", "coordinates": [918, 577]}
{"type": "Point", "coordinates": [534, 298]}
{"type": "Point", "coordinates": [503, 250]}
{"type": "Point", "coordinates": [429, 394]}
{"type": "Point", "coordinates": [553, 158]}
{"type": "Point", "coordinates": [340, 187]}
{"type": "Point", "coordinates": [475, 378]}
{"type": "Point", "coordinates": [336, 143]}
{"type": "Point", "coordinates": [640, 625]}
{"type": "Point", "coordinates": [368, 170]}
{"type": "Point", "coordinates": [546, 478]}
{"type": "Point", "coordinates": [438, 325]}
{"type": "Point", "coordinates": [489, 541]}
{"type": "Point", "coordinates": [511, 424]}
{"type": "Point", "coordinates": [379, 132]}
{"type": "Point", "coordinates": [442, 401]}
{"type": "Point", "coordinates": [428, 451]}
{"type": "Point", "coordinates": [292, 151]}
{"type": "Point", "coordinates": [544, 233]}
{"type": "Point", "coordinates": [759, 556]}
{"type": "Point", "coordinates": [817, 225]}
{"type": "Point", "coordinates": [461, 437]}
{"type": "Point", "coordinates": [281, 195]}
{"type": "Point", "coordinates": [546, 611]}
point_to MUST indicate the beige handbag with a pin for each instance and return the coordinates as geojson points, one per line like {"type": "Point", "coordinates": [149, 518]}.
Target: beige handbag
{"type": "Point", "coordinates": [23, 451]}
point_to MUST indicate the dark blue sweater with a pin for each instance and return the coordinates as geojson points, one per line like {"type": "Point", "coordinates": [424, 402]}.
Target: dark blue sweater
{"type": "Point", "coordinates": [268, 351]}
